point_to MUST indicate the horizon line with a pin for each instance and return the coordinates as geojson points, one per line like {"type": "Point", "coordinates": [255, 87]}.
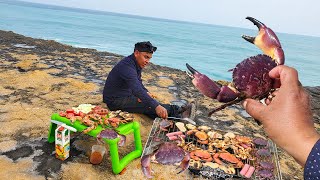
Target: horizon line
{"type": "Point", "coordinates": [92, 11]}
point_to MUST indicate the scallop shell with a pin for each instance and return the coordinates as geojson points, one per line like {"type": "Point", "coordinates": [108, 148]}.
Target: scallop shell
{"type": "Point", "coordinates": [191, 126]}
{"type": "Point", "coordinates": [204, 128]}
{"type": "Point", "coordinates": [214, 135]}
{"type": "Point", "coordinates": [229, 135]}
{"type": "Point", "coordinates": [211, 134]}
{"type": "Point", "coordinates": [181, 126]}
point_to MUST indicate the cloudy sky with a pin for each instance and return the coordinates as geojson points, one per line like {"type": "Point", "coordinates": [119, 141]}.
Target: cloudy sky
{"type": "Point", "coordinates": [289, 16]}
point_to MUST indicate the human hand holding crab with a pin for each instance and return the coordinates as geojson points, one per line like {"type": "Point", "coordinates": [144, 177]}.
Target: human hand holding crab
{"type": "Point", "coordinates": [250, 76]}
{"type": "Point", "coordinates": [287, 119]}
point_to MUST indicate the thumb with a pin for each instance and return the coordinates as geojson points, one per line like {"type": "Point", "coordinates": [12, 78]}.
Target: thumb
{"type": "Point", "coordinates": [254, 108]}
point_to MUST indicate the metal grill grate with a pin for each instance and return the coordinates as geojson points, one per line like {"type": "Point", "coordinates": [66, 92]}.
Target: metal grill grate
{"type": "Point", "coordinates": [156, 137]}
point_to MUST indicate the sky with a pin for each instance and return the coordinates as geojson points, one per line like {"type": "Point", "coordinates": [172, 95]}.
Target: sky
{"type": "Point", "coordinates": [288, 16]}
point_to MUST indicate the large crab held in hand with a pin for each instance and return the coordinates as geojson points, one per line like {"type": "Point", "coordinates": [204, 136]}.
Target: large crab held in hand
{"type": "Point", "coordinates": [250, 77]}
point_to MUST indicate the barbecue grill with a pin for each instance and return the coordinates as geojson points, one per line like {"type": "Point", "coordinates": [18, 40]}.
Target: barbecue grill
{"type": "Point", "coordinates": [156, 136]}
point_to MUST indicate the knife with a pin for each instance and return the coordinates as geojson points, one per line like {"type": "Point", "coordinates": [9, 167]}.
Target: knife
{"type": "Point", "coordinates": [184, 119]}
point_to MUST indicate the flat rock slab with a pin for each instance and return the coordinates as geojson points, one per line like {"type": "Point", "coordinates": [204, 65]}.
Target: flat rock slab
{"type": "Point", "coordinates": [40, 77]}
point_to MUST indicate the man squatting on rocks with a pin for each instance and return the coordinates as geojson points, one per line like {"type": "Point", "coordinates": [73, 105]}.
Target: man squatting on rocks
{"type": "Point", "coordinates": [124, 90]}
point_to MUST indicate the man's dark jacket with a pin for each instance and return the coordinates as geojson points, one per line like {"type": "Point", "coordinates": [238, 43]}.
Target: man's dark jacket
{"type": "Point", "coordinates": [124, 80]}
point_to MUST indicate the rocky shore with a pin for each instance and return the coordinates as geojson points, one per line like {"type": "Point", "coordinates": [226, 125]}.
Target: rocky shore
{"type": "Point", "coordinates": [40, 77]}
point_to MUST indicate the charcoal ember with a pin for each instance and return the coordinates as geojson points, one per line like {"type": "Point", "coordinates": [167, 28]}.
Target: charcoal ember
{"type": "Point", "coordinates": [214, 173]}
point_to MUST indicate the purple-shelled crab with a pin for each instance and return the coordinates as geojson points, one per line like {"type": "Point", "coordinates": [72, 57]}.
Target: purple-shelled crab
{"type": "Point", "coordinates": [111, 134]}
{"type": "Point", "coordinates": [266, 165]}
{"type": "Point", "coordinates": [265, 170]}
{"type": "Point", "coordinates": [250, 77]}
{"type": "Point", "coordinates": [265, 174]}
{"type": "Point", "coordinates": [165, 125]}
{"type": "Point", "coordinates": [263, 153]}
{"type": "Point", "coordinates": [167, 153]}
{"type": "Point", "coordinates": [260, 142]}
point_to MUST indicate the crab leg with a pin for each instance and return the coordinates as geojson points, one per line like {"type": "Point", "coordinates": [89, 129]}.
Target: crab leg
{"type": "Point", "coordinates": [239, 99]}
{"type": "Point", "coordinates": [267, 41]}
{"type": "Point", "coordinates": [211, 89]}
{"type": "Point", "coordinates": [145, 165]}
{"type": "Point", "coordinates": [122, 140]}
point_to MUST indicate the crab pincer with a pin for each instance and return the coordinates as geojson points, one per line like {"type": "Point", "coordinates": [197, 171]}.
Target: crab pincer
{"type": "Point", "coordinates": [267, 41]}
{"type": "Point", "coordinates": [250, 76]}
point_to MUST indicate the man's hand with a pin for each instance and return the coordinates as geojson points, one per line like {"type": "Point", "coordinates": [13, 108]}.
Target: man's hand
{"type": "Point", "coordinates": [152, 95]}
{"type": "Point", "coordinates": [287, 119]}
{"type": "Point", "coordinates": [162, 112]}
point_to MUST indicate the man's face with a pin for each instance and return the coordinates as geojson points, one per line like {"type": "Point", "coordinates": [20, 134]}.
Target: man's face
{"type": "Point", "coordinates": [143, 58]}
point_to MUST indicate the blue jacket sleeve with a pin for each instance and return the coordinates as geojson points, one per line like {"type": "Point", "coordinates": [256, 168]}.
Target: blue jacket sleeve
{"type": "Point", "coordinates": [142, 85]}
{"type": "Point", "coordinates": [131, 78]}
{"type": "Point", "coordinates": [312, 167]}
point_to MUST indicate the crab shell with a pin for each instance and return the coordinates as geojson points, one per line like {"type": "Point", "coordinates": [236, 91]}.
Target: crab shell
{"type": "Point", "coordinates": [168, 153]}
{"type": "Point", "coordinates": [201, 154]}
{"type": "Point", "coordinates": [111, 134]}
{"type": "Point", "coordinates": [108, 133]}
{"type": "Point", "coordinates": [266, 165]}
{"type": "Point", "coordinates": [226, 156]}
{"type": "Point", "coordinates": [251, 76]}
{"type": "Point", "coordinates": [264, 173]}
{"type": "Point", "coordinates": [260, 142]}
{"type": "Point", "coordinates": [263, 153]}
{"type": "Point", "coordinates": [164, 124]}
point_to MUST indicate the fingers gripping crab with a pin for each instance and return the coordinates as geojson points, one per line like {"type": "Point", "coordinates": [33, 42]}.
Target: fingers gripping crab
{"type": "Point", "coordinates": [250, 77]}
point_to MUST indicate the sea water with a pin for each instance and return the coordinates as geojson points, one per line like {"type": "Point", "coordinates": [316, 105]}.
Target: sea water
{"type": "Point", "coordinates": [211, 49]}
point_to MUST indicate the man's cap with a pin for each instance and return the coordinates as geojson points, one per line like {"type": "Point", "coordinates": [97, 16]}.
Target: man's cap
{"type": "Point", "coordinates": [145, 46]}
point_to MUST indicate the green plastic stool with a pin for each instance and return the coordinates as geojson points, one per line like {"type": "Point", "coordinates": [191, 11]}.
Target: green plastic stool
{"type": "Point", "coordinates": [117, 164]}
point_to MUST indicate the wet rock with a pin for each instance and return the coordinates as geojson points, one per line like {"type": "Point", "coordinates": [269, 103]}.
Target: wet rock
{"type": "Point", "coordinates": [20, 152]}
{"type": "Point", "coordinates": [50, 77]}
{"type": "Point", "coordinates": [315, 102]}
{"type": "Point", "coordinates": [48, 164]}
{"type": "Point", "coordinates": [173, 88]}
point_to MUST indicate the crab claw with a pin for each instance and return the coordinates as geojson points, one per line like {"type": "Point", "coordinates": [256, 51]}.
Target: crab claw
{"type": "Point", "coordinates": [122, 140]}
{"type": "Point", "coordinates": [267, 41]}
{"type": "Point", "coordinates": [204, 84]}
{"type": "Point", "coordinates": [184, 163]}
{"type": "Point", "coordinates": [210, 89]}
{"type": "Point", "coordinates": [145, 165]}
{"type": "Point", "coordinates": [99, 139]}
